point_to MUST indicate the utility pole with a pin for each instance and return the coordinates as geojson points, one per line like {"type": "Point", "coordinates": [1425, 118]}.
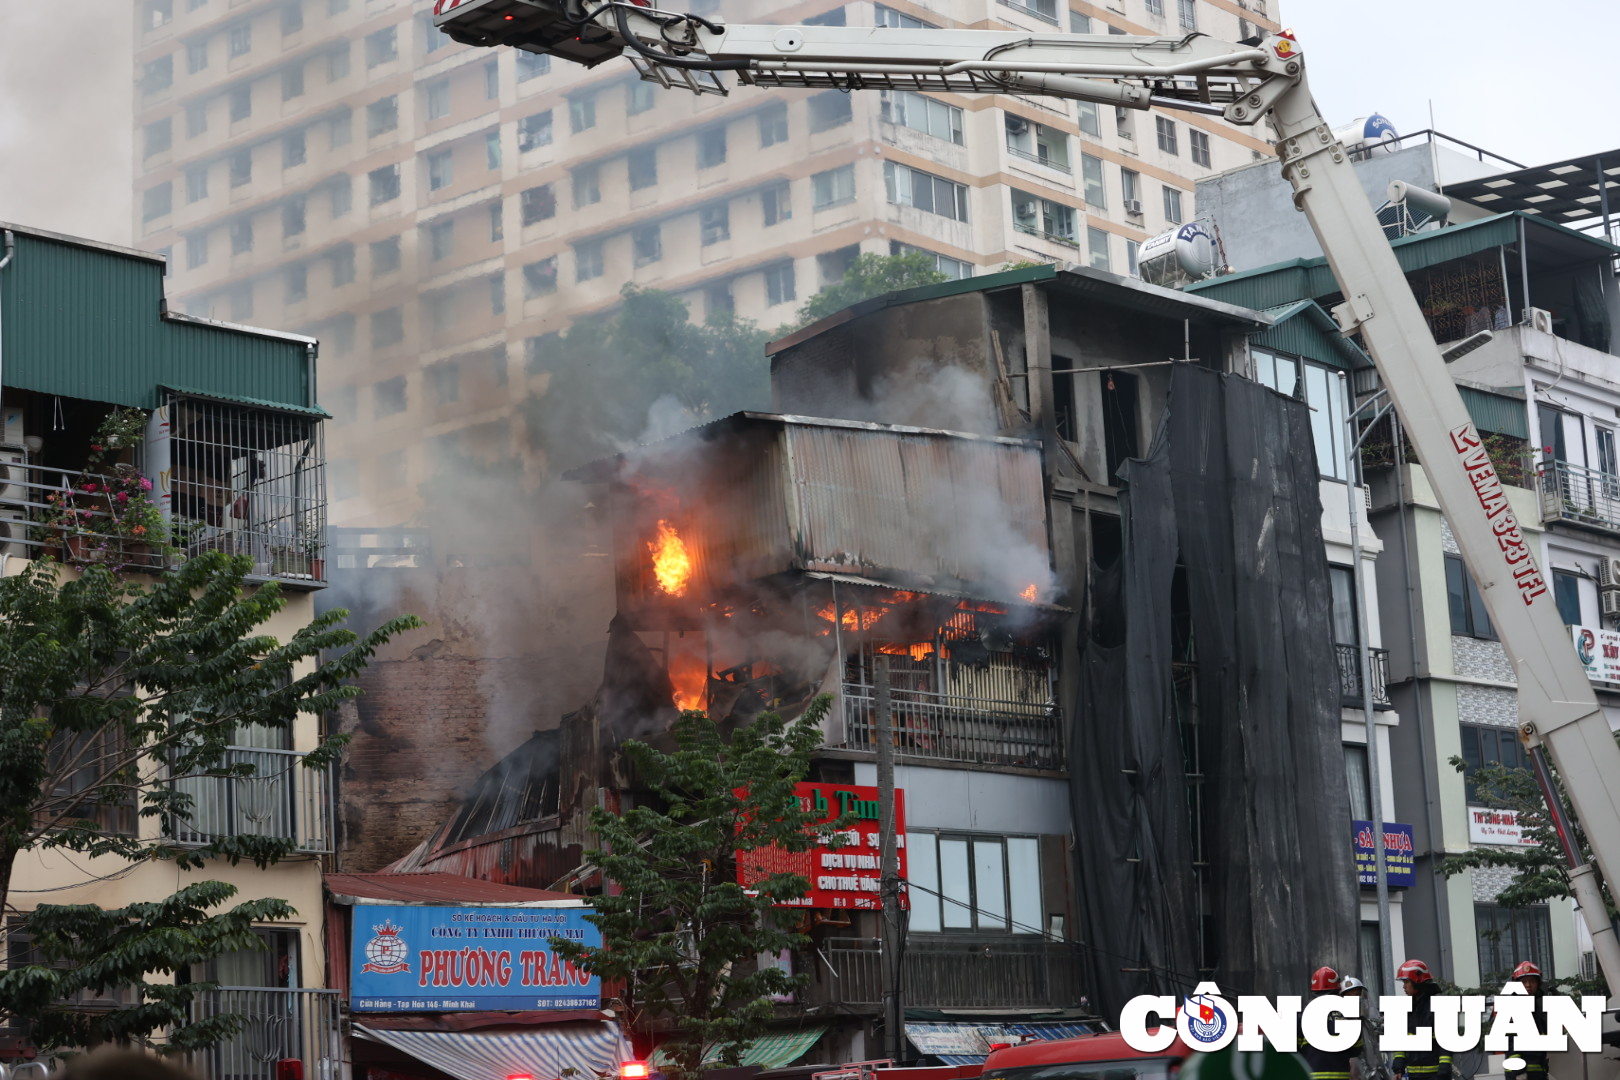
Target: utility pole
{"type": "Point", "coordinates": [888, 862]}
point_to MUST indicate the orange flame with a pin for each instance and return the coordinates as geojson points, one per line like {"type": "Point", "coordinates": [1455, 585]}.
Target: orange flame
{"type": "Point", "coordinates": [1030, 593]}
{"type": "Point", "coordinates": [672, 565]}
{"type": "Point", "coordinates": [689, 675]}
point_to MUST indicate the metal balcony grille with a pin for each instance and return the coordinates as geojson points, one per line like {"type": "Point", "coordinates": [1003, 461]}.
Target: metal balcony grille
{"type": "Point", "coordinates": [281, 799]}
{"type": "Point", "coordinates": [278, 1024]}
{"type": "Point", "coordinates": [1350, 695]}
{"type": "Point", "coordinates": [1579, 496]}
{"type": "Point", "coordinates": [945, 972]}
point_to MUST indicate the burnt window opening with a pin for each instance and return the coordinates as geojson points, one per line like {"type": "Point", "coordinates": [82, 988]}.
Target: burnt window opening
{"type": "Point", "coordinates": [1120, 434]}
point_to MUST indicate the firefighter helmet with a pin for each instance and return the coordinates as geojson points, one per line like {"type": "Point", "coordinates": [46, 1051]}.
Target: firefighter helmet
{"type": "Point", "coordinates": [1415, 970]}
{"type": "Point", "coordinates": [1526, 969]}
{"type": "Point", "coordinates": [1350, 984]}
{"type": "Point", "coordinates": [1324, 978]}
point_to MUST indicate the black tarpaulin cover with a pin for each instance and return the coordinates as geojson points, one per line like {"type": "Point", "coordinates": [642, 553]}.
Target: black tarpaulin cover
{"type": "Point", "coordinates": [1230, 488]}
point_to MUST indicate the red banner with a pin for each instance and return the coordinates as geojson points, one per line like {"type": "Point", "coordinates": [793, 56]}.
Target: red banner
{"type": "Point", "coordinates": [843, 876]}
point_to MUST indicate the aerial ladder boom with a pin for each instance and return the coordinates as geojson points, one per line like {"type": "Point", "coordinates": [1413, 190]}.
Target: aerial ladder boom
{"type": "Point", "coordinates": [1246, 82]}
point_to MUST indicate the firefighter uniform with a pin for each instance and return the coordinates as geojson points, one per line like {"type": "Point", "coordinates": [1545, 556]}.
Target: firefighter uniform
{"type": "Point", "coordinates": [1432, 1064]}
{"type": "Point", "coordinates": [1327, 1064]}
{"type": "Point", "coordinates": [1535, 1061]}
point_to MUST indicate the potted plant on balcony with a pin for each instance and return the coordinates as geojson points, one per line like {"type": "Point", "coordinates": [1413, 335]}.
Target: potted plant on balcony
{"type": "Point", "coordinates": [107, 515]}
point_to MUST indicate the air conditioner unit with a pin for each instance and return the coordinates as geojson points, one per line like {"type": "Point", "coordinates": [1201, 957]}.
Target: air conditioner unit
{"type": "Point", "coordinates": [1026, 208]}
{"type": "Point", "coordinates": [13, 475]}
{"type": "Point", "coordinates": [11, 426]}
{"type": "Point", "coordinates": [1609, 602]}
{"type": "Point", "coordinates": [1017, 125]}
{"type": "Point", "coordinates": [1538, 319]}
{"type": "Point", "coordinates": [1133, 206]}
{"type": "Point", "coordinates": [13, 531]}
{"type": "Point", "coordinates": [1608, 572]}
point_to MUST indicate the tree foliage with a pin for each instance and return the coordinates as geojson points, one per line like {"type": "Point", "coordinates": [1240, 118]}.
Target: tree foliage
{"type": "Point", "coordinates": [110, 692]}
{"type": "Point", "coordinates": [680, 933]}
{"type": "Point", "coordinates": [871, 275]}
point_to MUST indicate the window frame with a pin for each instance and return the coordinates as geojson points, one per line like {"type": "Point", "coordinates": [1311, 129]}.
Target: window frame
{"type": "Point", "coordinates": [1469, 618]}
{"type": "Point", "coordinates": [931, 890]}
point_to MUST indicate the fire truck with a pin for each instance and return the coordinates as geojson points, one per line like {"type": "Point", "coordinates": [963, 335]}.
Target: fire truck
{"type": "Point", "coordinates": [1246, 82]}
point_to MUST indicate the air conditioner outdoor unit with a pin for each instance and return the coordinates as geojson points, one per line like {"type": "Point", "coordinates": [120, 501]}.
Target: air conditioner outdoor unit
{"type": "Point", "coordinates": [1017, 125]}
{"type": "Point", "coordinates": [1608, 572]}
{"type": "Point", "coordinates": [1538, 319]}
{"type": "Point", "coordinates": [13, 475]}
{"type": "Point", "coordinates": [1133, 206]}
{"type": "Point", "coordinates": [1027, 208]}
{"type": "Point", "coordinates": [11, 426]}
{"type": "Point", "coordinates": [1609, 602]}
{"type": "Point", "coordinates": [13, 530]}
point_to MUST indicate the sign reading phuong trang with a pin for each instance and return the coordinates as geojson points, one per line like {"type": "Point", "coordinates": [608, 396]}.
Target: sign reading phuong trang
{"type": "Point", "coordinates": [406, 958]}
{"type": "Point", "coordinates": [845, 876]}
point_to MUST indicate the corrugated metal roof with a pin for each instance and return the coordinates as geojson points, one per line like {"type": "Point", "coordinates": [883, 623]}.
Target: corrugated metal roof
{"type": "Point", "coordinates": [1304, 329]}
{"type": "Point", "coordinates": [256, 403]}
{"type": "Point", "coordinates": [87, 321]}
{"type": "Point", "coordinates": [770, 1051]}
{"type": "Point", "coordinates": [431, 888]}
{"type": "Point", "coordinates": [1496, 412]}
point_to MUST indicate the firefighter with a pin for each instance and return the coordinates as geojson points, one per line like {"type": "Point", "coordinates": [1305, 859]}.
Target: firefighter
{"type": "Point", "coordinates": [1528, 975]}
{"type": "Point", "coordinates": [1432, 1064]}
{"type": "Point", "coordinates": [1327, 1064]}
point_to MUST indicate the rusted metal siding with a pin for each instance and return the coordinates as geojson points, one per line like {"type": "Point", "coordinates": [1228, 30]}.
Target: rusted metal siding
{"type": "Point", "coordinates": [87, 322]}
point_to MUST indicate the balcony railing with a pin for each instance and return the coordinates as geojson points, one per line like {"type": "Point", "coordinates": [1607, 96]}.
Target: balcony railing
{"type": "Point", "coordinates": [1056, 238]}
{"type": "Point", "coordinates": [947, 973]}
{"type": "Point", "coordinates": [1350, 694]}
{"type": "Point", "coordinates": [1579, 496]}
{"type": "Point", "coordinates": [277, 1025]}
{"type": "Point", "coordinates": [954, 728]}
{"type": "Point", "coordinates": [1032, 10]}
{"type": "Point", "coordinates": [281, 799]}
{"type": "Point", "coordinates": [1038, 158]}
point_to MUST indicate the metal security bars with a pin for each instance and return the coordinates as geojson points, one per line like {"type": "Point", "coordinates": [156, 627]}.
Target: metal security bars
{"type": "Point", "coordinates": [1350, 695]}
{"type": "Point", "coordinates": [1579, 496]}
{"type": "Point", "coordinates": [280, 798]}
{"type": "Point", "coordinates": [947, 972]}
{"type": "Point", "coordinates": [277, 1024]}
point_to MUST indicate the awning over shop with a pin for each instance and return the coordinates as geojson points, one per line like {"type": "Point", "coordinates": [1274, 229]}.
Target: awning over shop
{"type": "Point", "coordinates": [969, 1044]}
{"type": "Point", "coordinates": [769, 1051]}
{"type": "Point", "coordinates": [590, 1049]}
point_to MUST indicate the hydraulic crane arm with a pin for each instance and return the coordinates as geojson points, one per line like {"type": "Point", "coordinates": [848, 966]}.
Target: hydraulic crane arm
{"type": "Point", "coordinates": [1246, 83]}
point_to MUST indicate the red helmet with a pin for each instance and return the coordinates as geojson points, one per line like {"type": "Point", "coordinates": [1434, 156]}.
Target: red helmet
{"type": "Point", "coordinates": [1526, 969]}
{"type": "Point", "coordinates": [1415, 970]}
{"type": "Point", "coordinates": [1324, 978]}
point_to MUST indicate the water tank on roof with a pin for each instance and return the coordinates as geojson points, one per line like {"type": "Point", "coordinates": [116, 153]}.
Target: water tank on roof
{"type": "Point", "coordinates": [1183, 255]}
{"type": "Point", "coordinates": [1368, 135]}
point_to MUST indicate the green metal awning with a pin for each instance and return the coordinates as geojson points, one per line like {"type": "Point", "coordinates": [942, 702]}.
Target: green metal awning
{"type": "Point", "coordinates": [1304, 329]}
{"type": "Point", "coordinates": [768, 1051]}
{"type": "Point", "coordinates": [1497, 413]}
{"type": "Point", "coordinates": [316, 411]}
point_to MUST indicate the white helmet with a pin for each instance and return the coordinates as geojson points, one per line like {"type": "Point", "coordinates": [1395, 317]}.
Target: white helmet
{"type": "Point", "coordinates": [1350, 983]}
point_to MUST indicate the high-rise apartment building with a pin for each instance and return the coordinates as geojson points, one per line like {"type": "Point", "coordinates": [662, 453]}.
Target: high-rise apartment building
{"type": "Point", "coordinates": [429, 211]}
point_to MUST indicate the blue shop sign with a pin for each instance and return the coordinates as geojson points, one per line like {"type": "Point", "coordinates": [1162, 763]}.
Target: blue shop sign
{"type": "Point", "coordinates": [1399, 869]}
{"type": "Point", "coordinates": [406, 958]}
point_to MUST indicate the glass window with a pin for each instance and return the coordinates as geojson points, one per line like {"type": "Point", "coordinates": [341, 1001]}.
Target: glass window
{"type": "Point", "coordinates": [241, 167]}
{"type": "Point", "coordinates": [196, 249]}
{"type": "Point", "coordinates": [438, 99]}
{"type": "Point", "coordinates": [639, 97]}
{"type": "Point", "coordinates": [887, 16]}
{"type": "Point", "coordinates": [292, 82]}
{"type": "Point", "coordinates": [1172, 205]}
{"type": "Point", "coordinates": [1188, 11]}
{"type": "Point", "coordinates": [384, 184]}
{"type": "Point", "coordinates": [1090, 120]}
{"type": "Point", "coordinates": [534, 131]}
{"type": "Point", "coordinates": [1130, 189]}
{"type": "Point", "coordinates": [1132, 256]}
{"type": "Point", "coordinates": [441, 170]}
{"type": "Point", "coordinates": [1198, 147]}
{"type": "Point", "coordinates": [540, 278]}
{"type": "Point", "coordinates": [1079, 22]}
{"type": "Point", "coordinates": [1091, 172]}
{"type": "Point", "coordinates": [385, 256]}
{"type": "Point", "coordinates": [835, 17]}
{"type": "Point", "coordinates": [196, 56]}
{"type": "Point", "coordinates": [1024, 883]}
{"type": "Point", "coordinates": [711, 149]}
{"type": "Point", "coordinates": [990, 884]}
{"type": "Point", "coordinates": [497, 224]}
{"type": "Point", "coordinates": [955, 884]}
{"type": "Point", "coordinates": [912, 187]}
{"type": "Point", "coordinates": [441, 237]}
{"type": "Point", "coordinates": [581, 112]}
{"type": "Point", "coordinates": [777, 203]}
{"type": "Point", "coordinates": [588, 260]}
{"type": "Point", "coordinates": [1567, 592]}
{"type": "Point", "coordinates": [241, 103]}
{"type": "Point", "coordinates": [773, 125]}
{"type": "Point", "coordinates": [492, 80]}
{"type": "Point", "coordinates": [197, 183]}
{"type": "Point", "coordinates": [1485, 746]}
{"type": "Point", "coordinates": [342, 259]}
{"type": "Point", "coordinates": [922, 874]}
{"type": "Point", "coordinates": [832, 188]}
{"type": "Point", "coordinates": [1468, 615]}
{"type": "Point", "coordinates": [1097, 247]}
{"type": "Point", "coordinates": [382, 115]}
{"type": "Point", "coordinates": [159, 136]}
{"type": "Point", "coordinates": [381, 46]}
{"type": "Point", "coordinates": [643, 166]}
{"type": "Point", "coordinates": [157, 75]}
{"type": "Point", "coordinates": [492, 149]}
{"type": "Point", "coordinates": [239, 39]}
{"type": "Point", "coordinates": [1166, 131]}
{"type": "Point", "coordinates": [714, 224]}
{"type": "Point", "coordinates": [974, 883]}
{"type": "Point", "coordinates": [532, 65]}
{"type": "Point", "coordinates": [337, 63]}
{"type": "Point", "coordinates": [156, 201]}
{"type": "Point", "coordinates": [293, 216]}
{"type": "Point", "coordinates": [922, 113]}
{"type": "Point", "coordinates": [1324, 391]}
{"type": "Point", "coordinates": [537, 204]}
{"type": "Point", "coordinates": [1509, 935]}
{"type": "Point", "coordinates": [829, 109]}
{"type": "Point", "coordinates": [587, 186]}
{"type": "Point", "coordinates": [1343, 580]}
{"type": "Point", "coordinates": [294, 149]}
{"type": "Point", "coordinates": [647, 243]}
{"type": "Point", "coordinates": [1355, 774]}
{"type": "Point", "coordinates": [292, 16]}
{"type": "Point", "coordinates": [779, 284]}
{"type": "Point", "coordinates": [196, 118]}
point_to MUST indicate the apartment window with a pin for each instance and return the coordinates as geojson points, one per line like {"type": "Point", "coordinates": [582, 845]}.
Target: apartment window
{"type": "Point", "coordinates": [241, 103]}
{"type": "Point", "coordinates": [241, 231]}
{"type": "Point", "coordinates": [158, 136]}
{"type": "Point", "coordinates": [241, 167]}
{"type": "Point", "coordinates": [292, 17]}
{"type": "Point", "coordinates": [718, 302]}
{"type": "Point", "coordinates": [294, 149]}
{"type": "Point", "coordinates": [388, 328]}
{"type": "Point", "coordinates": [337, 63]}
{"type": "Point", "coordinates": [441, 169]}
{"type": "Point", "coordinates": [1468, 614]}
{"type": "Point", "coordinates": [1130, 190]}
{"type": "Point", "coordinates": [445, 381]}
{"type": "Point", "coordinates": [381, 46]}
{"type": "Point", "coordinates": [295, 283]}
{"type": "Point", "coordinates": [433, 38]}
{"type": "Point", "coordinates": [196, 249]}
{"type": "Point", "coordinates": [342, 260]}
{"type": "Point", "coordinates": [588, 260]}
{"type": "Point", "coordinates": [835, 17]}
{"type": "Point", "coordinates": [1121, 431]}
{"type": "Point", "coordinates": [1323, 390]}
{"type": "Point", "coordinates": [492, 79]}
{"type": "Point", "coordinates": [974, 883]}
{"type": "Point", "coordinates": [293, 216]}
{"type": "Point", "coordinates": [1097, 248]}
{"type": "Point", "coordinates": [833, 187]}
{"type": "Point", "coordinates": [714, 224]}
{"type": "Point", "coordinates": [1355, 775]}
{"type": "Point", "coordinates": [1044, 217]}
{"type": "Point", "coordinates": [773, 126]}
{"type": "Point", "coordinates": [581, 112]}
{"type": "Point", "coordinates": [1079, 22]}
{"type": "Point", "coordinates": [385, 256]}
{"type": "Point", "coordinates": [1172, 205]}
{"type": "Point", "coordinates": [1343, 611]}
{"type": "Point", "coordinates": [647, 243]}
{"type": "Point", "coordinates": [340, 196]}
{"type": "Point", "coordinates": [196, 183]}
{"type": "Point", "coordinates": [1166, 130]}
{"type": "Point", "coordinates": [497, 222]}
{"type": "Point", "coordinates": [492, 149]}
{"type": "Point", "coordinates": [643, 163]}
{"type": "Point", "coordinates": [384, 184]}
{"type": "Point", "coordinates": [441, 238]}
{"type": "Point", "coordinates": [1041, 9]}
{"type": "Point", "coordinates": [1198, 147]}
{"type": "Point", "coordinates": [1091, 175]}
{"type": "Point", "coordinates": [196, 118]}
{"type": "Point", "coordinates": [1155, 7]}
{"type": "Point", "coordinates": [337, 128]}
{"type": "Point", "coordinates": [587, 186]}
{"type": "Point", "coordinates": [540, 278]}
{"type": "Point", "coordinates": [1509, 935]}
{"type": "Point", "coordinates": [711, 148]}
{"type": "Point", "coordinates": [1487, 747]}
{"type": "Point", "coordinates": [638, 97]}
{"type": "Point", "coordinates": [777, 203]}
{"type": "Point", "coordinates": [157, 75]}
{"type": "Point", "coordinates": [954, 269]}
{"type": "Point", "coordinates": [239, 40]}
{"type": "Point", "coordinates": [779, 285]}
{"type": "Point", "coordinates": [534, 131]}
{"type": "Point", "coordinates": [912, 187]}
{"type": "Point", "coordinates": [156, 201]}
{"type": "Point", "coordinates": [388, 396]}
{"type": "Point", "coordinates": [1567, 593]}
{"type": "Point", "coordinates": [158, 13]}
{"type": "Point", "coordinates": [292, 82]}
{"type": "Point", "coordinates": [834, 265]}
{"type": "Point", "coordinates": [438, 99]}
{"type": "Point", "coordinates": [537, 204]}
{"type": "Point", "coordinates": [830, 109]}
{"type": "Point", "coordinates": [923, 114]}
{"type": "Point", "coordinates": [497, 301]}
{"type": "Point", "coordinates": [196, 56]}
{"type": "Point", "coordinates": [887, 16]}
{"type": "Point", "coordinates": [1090, 119]}
{"type": "Point", "coordinates": [1188, 11]}
{"type": "Point", "coordinates": [532, 65]}
{"type": "Point", "coordinates": [1133, 257]}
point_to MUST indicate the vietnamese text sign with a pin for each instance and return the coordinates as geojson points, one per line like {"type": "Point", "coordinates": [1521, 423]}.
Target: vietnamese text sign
{"type": "Point", "coordinates": [844, 877]}
{"type": "Point", "coordinates": [1599, 651]}
{"type": "Point", "coordinates": [454, 959]}
{"type": "Point", "coordinates": [1400, 871]}
{"type": "Point", "coordinates": [1486, 826]}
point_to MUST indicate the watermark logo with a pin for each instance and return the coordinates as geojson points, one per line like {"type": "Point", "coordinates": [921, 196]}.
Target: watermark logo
{"type": "Point", "coordinates": [1203, 1022]}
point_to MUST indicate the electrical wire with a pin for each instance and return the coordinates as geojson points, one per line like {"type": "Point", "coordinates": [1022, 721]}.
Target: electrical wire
{"type": "Point", "coordinates": [621, 15]}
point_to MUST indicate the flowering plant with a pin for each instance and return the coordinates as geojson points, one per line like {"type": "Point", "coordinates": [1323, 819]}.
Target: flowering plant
{"type": "Point", "coordinates": [109, 507]}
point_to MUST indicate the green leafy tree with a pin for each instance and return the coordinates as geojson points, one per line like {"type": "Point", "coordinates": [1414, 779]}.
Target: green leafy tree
{"type": "Point", "coordinates": [1538, 871]}
{"type": "Point", "coordinates": [111, 691]}
{"type": "Point", "coordinates": [681, 934]}
{"type": "Point", "coordinates": [871, 275]}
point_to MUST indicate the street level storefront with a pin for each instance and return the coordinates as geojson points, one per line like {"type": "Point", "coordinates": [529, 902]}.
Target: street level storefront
{"type": "Point", "coordinates": [448, 976]}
